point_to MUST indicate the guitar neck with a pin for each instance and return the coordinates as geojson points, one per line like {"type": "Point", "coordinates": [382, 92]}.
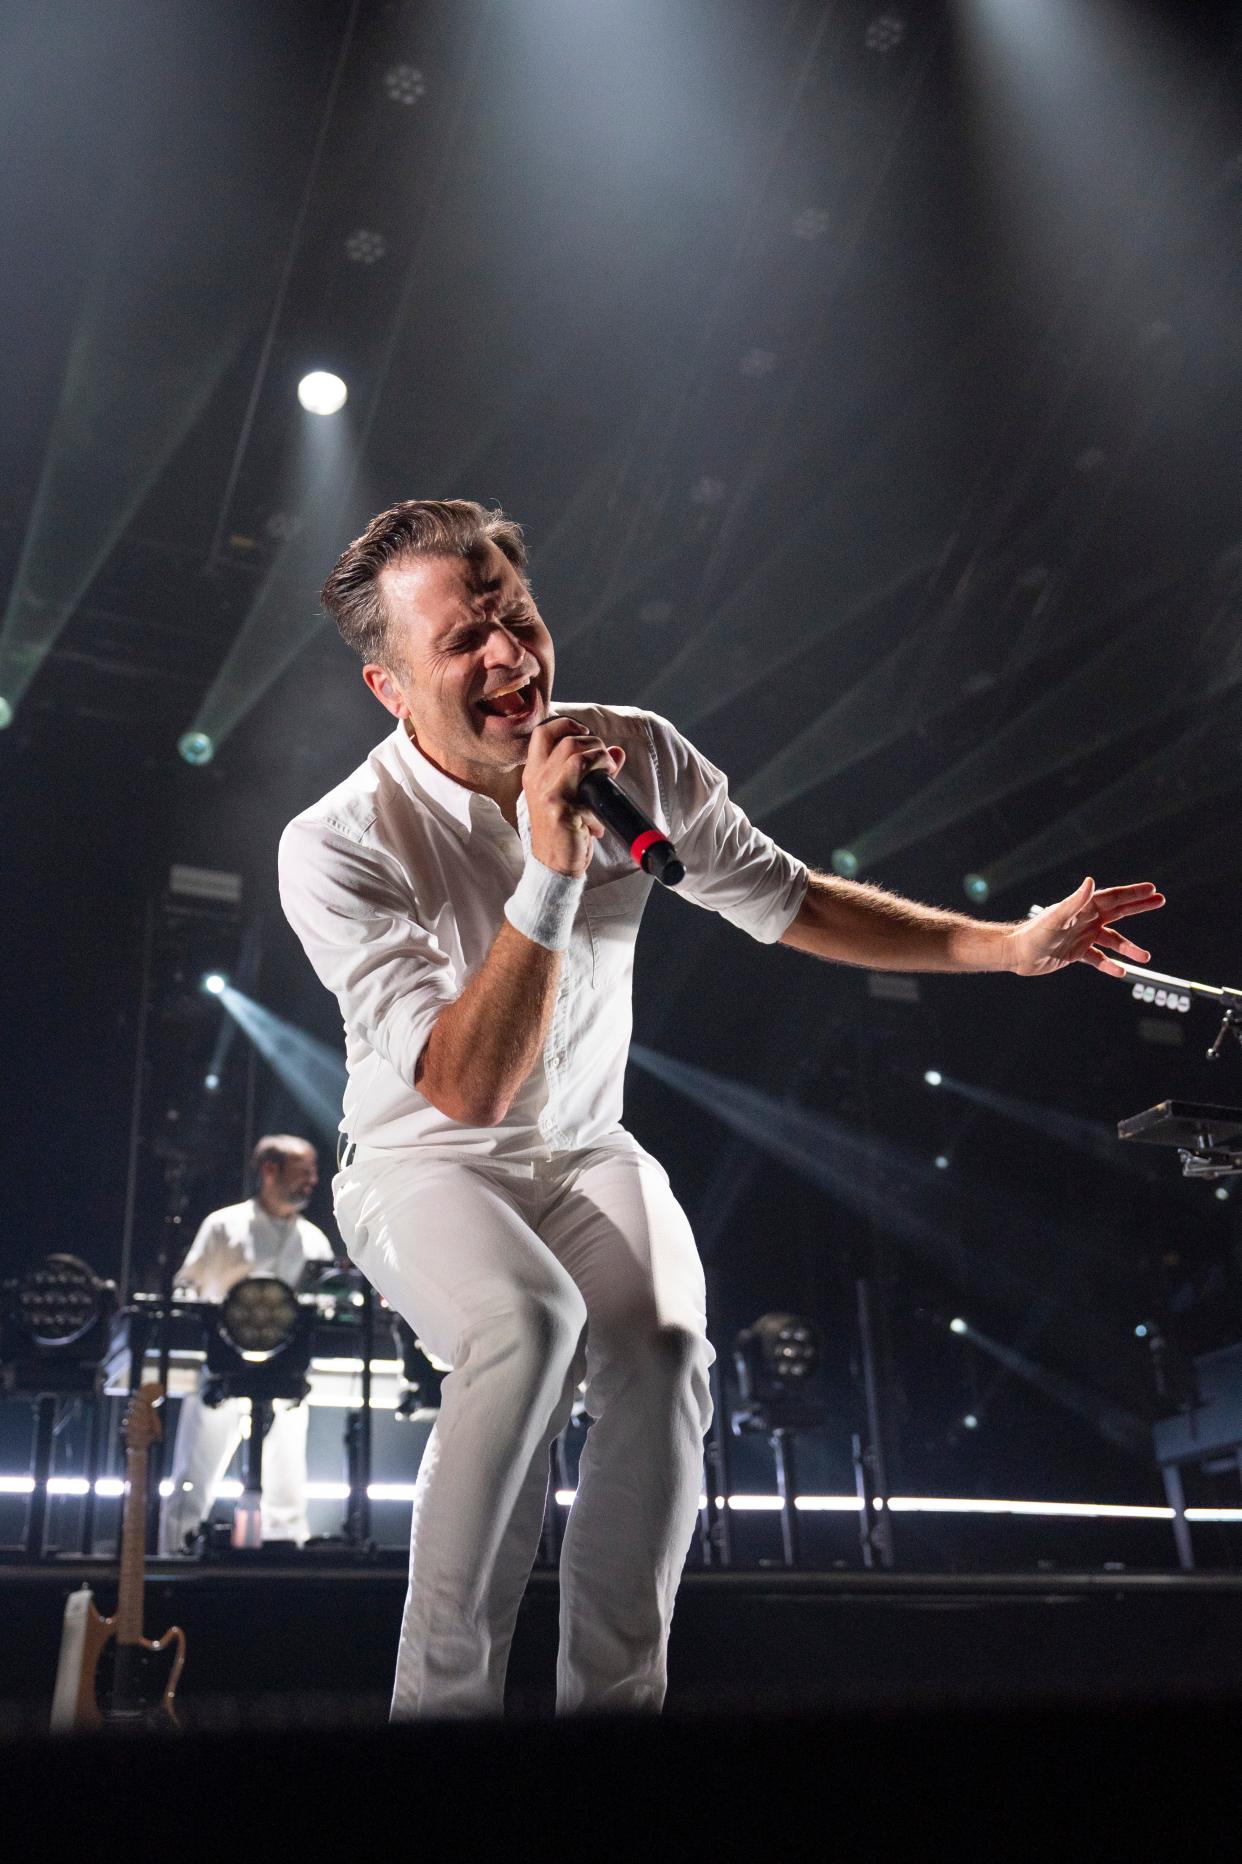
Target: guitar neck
{"type": "Point", "coordinates": [133, 1549]}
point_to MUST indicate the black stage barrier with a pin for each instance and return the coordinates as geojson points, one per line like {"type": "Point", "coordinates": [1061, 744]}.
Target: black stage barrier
{"type": "Point", "coordinates": [1068, 1782]}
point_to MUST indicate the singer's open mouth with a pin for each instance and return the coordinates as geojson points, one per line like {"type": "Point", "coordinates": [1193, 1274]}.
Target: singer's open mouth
{"type": "Point", "coordinates": [513, 705]}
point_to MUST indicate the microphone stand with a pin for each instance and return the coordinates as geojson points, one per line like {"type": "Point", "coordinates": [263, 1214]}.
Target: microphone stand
{"type": "Point", "coordinates": [1229, 1000]}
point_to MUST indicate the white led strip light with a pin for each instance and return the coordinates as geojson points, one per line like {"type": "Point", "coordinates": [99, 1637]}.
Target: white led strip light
{"type": "Point", "coordinates": [110, 1487]}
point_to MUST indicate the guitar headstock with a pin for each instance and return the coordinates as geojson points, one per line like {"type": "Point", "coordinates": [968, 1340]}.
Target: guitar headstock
{"type": "Point", "coordinates": [142, 1424]}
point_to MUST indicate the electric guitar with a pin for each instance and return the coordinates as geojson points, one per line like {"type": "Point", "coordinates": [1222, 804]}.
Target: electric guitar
{"type": "Point", "coordinates": [109, 1674]}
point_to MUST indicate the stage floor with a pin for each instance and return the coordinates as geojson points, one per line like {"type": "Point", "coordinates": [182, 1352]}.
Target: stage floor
{"type": "Point", "coordinates": [306, 1642]}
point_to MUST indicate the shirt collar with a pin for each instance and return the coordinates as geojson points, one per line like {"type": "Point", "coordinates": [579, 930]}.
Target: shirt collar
{"type": "Point", "coordinates": [464, 806]}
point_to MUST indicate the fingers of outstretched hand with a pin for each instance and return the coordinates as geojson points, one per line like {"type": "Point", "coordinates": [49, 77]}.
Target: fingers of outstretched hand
{"type": "Point", "coordinates": [1116, 902]}
{"type": "Point", "coordinates": [1112, 940]}
{"type": "Point", "coordinates": [1101, 961]}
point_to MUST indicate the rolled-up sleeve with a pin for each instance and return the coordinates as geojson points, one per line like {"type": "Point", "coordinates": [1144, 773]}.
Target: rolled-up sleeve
{"type": "Point", "coordinates": [355, 915]}
{"type": "Point", "coordinates": [731, 866]}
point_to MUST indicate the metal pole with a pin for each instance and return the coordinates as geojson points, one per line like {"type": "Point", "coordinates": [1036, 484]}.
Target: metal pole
{"type": "Point", "coordinates": [878, 1525]}
{"type": "Point", "coordinates": [364, 1428]}
{"type": "Point", "coordinates": [249, 1135]}
{"type": "Point", "coordinates": [94, 1406]}
{"type": "Point", "coordinates": [40, 1469]}
{"type": "Point", "coordinates": [1175, 1495]}
{"type": "Point", "coordinates": [865, 1490]}
{"type": "Point", "coordinates": [782, 1441]}
{"type": "Point", "coordinates": [716, 1537]}
{"type": "Point", "coordinates": [135, 1117]}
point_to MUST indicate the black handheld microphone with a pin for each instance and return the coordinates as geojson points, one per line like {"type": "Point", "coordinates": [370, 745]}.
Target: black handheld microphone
{"type": "Point", "coordinates": [649, 846]}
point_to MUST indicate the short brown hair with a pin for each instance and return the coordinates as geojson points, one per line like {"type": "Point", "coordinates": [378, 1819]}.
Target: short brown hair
{"type": "Point", "coordinates": [275, 1149]}
{"type": "Point", "coordinates": [426, 527]}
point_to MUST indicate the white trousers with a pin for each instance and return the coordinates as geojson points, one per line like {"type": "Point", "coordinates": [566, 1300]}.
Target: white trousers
{"type": "Point", "coordinates": [522, 1277]}
{"type": "Point", "coordinates": [207, 1436]}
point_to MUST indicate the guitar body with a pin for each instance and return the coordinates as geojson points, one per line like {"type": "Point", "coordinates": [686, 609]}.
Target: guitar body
{"type": "Point", "coordinates": [152, 1671]}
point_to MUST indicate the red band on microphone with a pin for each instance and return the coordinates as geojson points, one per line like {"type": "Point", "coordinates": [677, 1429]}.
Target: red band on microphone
{"type": "Point", "coordinates": [641, 843]}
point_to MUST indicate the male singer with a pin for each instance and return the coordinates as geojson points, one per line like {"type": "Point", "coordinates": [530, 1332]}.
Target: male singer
{"type": "Point", "coordinates": [452, 894]}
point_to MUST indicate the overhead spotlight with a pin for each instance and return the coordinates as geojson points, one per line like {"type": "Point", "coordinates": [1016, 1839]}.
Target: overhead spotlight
{"type": "Point", "coordinates": [940, 1162]}
{"type": "Point", "coordinates": [211, 1083]}
{"type": "Point", "coordinates": [321, 392]}
{"type": "Point", "coordinates": [215, 983]}
{"type": "Point", "coordinates": [975, 887]}
{"type": "Point", "coordinates": [970, 1421]}
{"type": "Point", "coordinates": [885, 32]}
{"type": "Point", "coordinates": [811, 223]}
{"type": "Point", "coordinates": [957, 1325]}
{"type": "Point", "coordinates": [845, 863]}
{"type": "Point", "coordinates": [405, 84]}
{"type": "Point", "coordinates": [933, 1077]}
{"type": "Point", "coordinates": [1140, 1332]}
{"type": "Point", "coordinates": [282, 525]}
{"type": "Point", "coordinates": [365, 246]}
{"type": "Point", "coordinates": [708, 491]}
{"type": "Point", "coordinates": [1222, 1192]}
{"type": "Point", "coordinates": [6, 712]}
{"type": "Point", "coordinates": [196, 747]}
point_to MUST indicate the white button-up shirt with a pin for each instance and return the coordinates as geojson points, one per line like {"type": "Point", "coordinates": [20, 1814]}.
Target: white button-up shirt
{"type": "Point", "coordinates": [244, 1239]}
{"type": "Point", "coordinates": [396, 884]}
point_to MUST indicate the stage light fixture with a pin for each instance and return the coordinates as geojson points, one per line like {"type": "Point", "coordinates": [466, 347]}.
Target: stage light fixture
{"type": "Point", "coordinates": [196, 747]}
{"type": "Point", "coordinates": [215, 983]}
{"type": "Point", "coordinates": [940, 1162]}
{"type": "Point", "coordinates": [6, 713]}
{"type": "Point", "coordinates": [259, 1317]}
{"type": "Point", "coordinates": [976, 888]}
{"type": "Point", "coordinates": [970, 1421]}
{"type": "Point", "coordinates": [1140, 1332]}
{"type": "Point", "coordinates": [811, 223]}
{"type": "Point", "coordinates": [933, 1077]}
{"type": "Point", "coordinates": [779, 1351]}
{"type": "Point", "coordinates": [60, 1301]}
{"type": "Point", "coordinates": [366, 246]}
{"type": "Point", "coordinates": [885, 32]}
{"type": "Point", "coordinates": [211, 1083]}
{"type": "Point", "coordinates": [708, 491]}
{"type": "Point", "coordinates": [957, 1325]}
{"type": "Point", "coordinates": [1222, 1192]}
{"type": "Point", "coordinates": [54, 1324]}
{"type": "Point", "coordinates": [321, 392]}
{"type": "Point", "coordinates": [405, 84]}
{"type": "Point", "coordinates": [845, 863]}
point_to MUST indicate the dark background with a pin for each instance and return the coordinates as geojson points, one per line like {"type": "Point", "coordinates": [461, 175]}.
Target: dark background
{"type": "Point", "coordinates": [868, 384]}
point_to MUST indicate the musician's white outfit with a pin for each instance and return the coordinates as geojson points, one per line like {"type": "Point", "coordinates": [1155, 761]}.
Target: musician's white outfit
{"type": "Point", "coordinates": [241, 1240]}
{"type": "Point", "coordinates": [526, 1253]}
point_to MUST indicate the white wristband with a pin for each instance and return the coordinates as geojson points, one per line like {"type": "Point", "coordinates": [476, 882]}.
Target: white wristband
{"type": "Point", "coordinates": [544, 904]}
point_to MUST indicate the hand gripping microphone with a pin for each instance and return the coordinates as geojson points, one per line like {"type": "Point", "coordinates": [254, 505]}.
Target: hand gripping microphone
{"type": "Point", "coordinates": [649, 846]}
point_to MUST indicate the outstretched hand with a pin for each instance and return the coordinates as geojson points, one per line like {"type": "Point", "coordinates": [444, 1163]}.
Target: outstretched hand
{"type": "Point", "coordinates": [1078, 930]}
